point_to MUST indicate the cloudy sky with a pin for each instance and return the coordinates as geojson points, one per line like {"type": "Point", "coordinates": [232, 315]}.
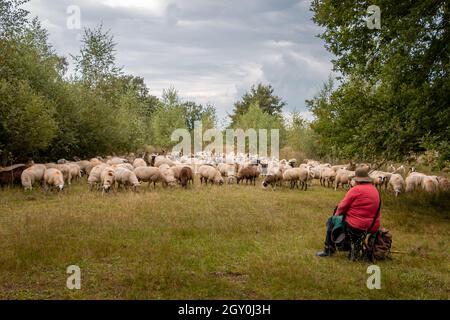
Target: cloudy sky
{"type": "Point", "coordinates": [212, 51]}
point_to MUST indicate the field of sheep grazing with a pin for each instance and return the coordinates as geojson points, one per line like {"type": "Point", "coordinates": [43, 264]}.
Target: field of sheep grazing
{"type": "Point", "coordinates": [210, 241]}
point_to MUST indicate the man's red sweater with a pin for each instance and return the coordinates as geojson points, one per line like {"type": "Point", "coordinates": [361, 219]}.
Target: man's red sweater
{"type": "Point", "coordinates": [361, 203]}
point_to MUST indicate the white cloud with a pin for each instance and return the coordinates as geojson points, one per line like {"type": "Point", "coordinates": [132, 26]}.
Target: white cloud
{"type": "Point", "coordinates": [153, 7]}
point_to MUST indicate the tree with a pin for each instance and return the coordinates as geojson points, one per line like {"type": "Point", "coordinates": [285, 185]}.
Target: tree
{"type": "Point", "coordinates": [393, 97]}
{"type": "Point", "coordinates": [97, 59]}
{"type": "Point", "coordinates": [28, 126]}
{"type": "Point", "coordinates": [164, 122]}
{"type": "Point", "coordinates": [256, 118]}
{"type": "Point", "coordinates": [197, 112]}
{"type": "Point", "coordinates": [263, 95]}
{"type": "Point", "coordinates": [13, 19]}
{"type": "Point", "coordinates": [301, 138]}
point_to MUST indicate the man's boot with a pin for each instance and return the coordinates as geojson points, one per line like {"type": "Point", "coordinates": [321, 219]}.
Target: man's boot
{"type": "Point", "coordinates": [327, 252]}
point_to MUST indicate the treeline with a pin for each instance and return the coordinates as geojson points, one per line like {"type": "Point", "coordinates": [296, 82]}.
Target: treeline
{"type": "Point", "coordinates": [391, 100]}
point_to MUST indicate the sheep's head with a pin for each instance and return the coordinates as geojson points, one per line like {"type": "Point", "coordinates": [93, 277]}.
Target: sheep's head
{"type": "Point", "coordinates": [380, 179]}
{"type": "Point", "coordinates": [218, 179]}
{"type": "Point", "coordinates": [170, 180]}
{"type": "Point", "coordinates": [108, 181]}
{"type": "Point", "coordinates": [136, 187]}
{"type": "Point", "coordinates": [231, 179]}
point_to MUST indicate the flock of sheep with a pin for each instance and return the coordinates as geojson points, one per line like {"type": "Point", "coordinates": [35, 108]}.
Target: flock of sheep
{"type": "Point", "coordinates": [130, 172]}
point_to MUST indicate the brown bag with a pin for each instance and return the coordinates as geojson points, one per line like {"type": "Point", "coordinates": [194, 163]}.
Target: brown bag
{"type": "Point", "coordinates": [378, 245]}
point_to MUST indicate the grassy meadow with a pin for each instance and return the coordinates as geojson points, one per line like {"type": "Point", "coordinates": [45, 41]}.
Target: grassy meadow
{"type": "Point", "coordinates": [229, 242]}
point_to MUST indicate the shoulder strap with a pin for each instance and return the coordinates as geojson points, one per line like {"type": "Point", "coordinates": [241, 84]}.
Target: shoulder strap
{"type": "Point", "coordinates": [376, 214]}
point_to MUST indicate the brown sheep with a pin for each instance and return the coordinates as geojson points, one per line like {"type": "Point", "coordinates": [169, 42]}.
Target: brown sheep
{"type": "Point", "coordinates": [186, 175]}
{"type": "Point", "coordinates": [271, 180]}
{"type": "Point", "coordinates": [249, 173]}
{"type": "Point", "coordinates": [12, 175]}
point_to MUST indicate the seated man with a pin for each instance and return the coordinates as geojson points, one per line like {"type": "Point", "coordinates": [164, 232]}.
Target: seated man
{"type": "Point", "coordinates": [360, 206]}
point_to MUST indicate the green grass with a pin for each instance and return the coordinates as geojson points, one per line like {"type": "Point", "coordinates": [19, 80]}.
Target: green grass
{"type": "Point", "coordinates": [230, 242]}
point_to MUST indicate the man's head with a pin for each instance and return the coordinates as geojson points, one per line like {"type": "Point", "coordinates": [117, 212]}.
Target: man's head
{"type": "Point", "coordinates": [362, 176]}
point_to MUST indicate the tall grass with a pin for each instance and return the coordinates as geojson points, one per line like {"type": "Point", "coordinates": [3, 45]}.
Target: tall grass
{"type": "Point", "coordinates": [231, 242]}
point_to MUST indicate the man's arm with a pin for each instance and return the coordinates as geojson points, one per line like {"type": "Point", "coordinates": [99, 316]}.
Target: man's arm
{"type": "Point", "coordinates": [346, 202]}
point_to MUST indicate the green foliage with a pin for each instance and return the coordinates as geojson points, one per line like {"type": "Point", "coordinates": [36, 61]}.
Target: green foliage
{"type": "Point", "coordinates": [301, 138]}
{"type": "Point", "coordinates": [96, 61]}
{"type": "Point", "coordinates": [264, 96]}
{"type": "Point", "coordinates": [165, 120]}
{"type": "Point", "coordinates": [393, 98]}
{"type": "Point", "coordinates": [196, 112]}
{"type": "Point", "coordinates": [28, 127]}
{"type": "Point", "coordinates": [256, 118]}
{"type": "Point", "coordinates": [12, 18]}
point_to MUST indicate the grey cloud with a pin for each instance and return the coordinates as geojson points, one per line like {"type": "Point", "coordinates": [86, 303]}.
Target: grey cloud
{"type": "Point", "coordinates": [212, 51]}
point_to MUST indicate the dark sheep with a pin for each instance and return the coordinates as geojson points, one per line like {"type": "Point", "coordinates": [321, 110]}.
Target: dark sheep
{"type": "Point", "coordinates": [271, 180]}
{"type": "Point", "coordinates": [249, 173]}
{"type": "Point", "coordinates": [186, 175]}
{"type": "Point", "coordinates": [11, 175]}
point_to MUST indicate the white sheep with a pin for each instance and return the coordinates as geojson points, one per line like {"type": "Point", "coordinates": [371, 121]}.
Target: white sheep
{"type": "Point", "coordinates": [95, 175]}
{"type": "Point", "coordinates": [160, 160]}
{"type": "Point", "coordinates": [149, 174]}
{"type": "Point", "coordinates": [123, 165]}
{"type": "Point", "coordinates": [139, 162]}
{"type": "Point", "coordinates": [227, 169]}
{"type": "Point", "coordinates": [168, 175]}
{"type": "Point", "coordinates": [430, 184]}
{"type": "Point", "coordinates": [84, 165]}
{"type": "Point", "coordinates": [116, 160]}
{"type": "Point", "coordinates": [107, 178]}
{"type": "Point", "coordinates": [75, 170]}
{"type": "Point", "coordinates": [125, 177]}
{"type": "Point", "coordinates": [444, 184]}
{"type": "Point", "coordinates": [414, 181]}
{"type": "Point", "coordinates": [53, 178]}
{"type": "Point", "coordinates": [92, 163]}
{"type": "Point", "coordinates": [32, 175]}
{"type": "Point", "coordinates": [343, 177]}
{"type": "Point", "coordinates": [339, 167]}
{"type": "Point", "coordinates": [380, 178]}
{"type": "Point", "coordinates": [305, 175]}
{"type": "Point", "coordinates": [397, 183]}
{"type": "Point", "coordinates": [291, 176]}
{"type": "Point", "coordinates": [327, 176]}
{"type": "Point", "coordinates": [211, 174]}
{"type": "Point", "coordinates": [64, 168]}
